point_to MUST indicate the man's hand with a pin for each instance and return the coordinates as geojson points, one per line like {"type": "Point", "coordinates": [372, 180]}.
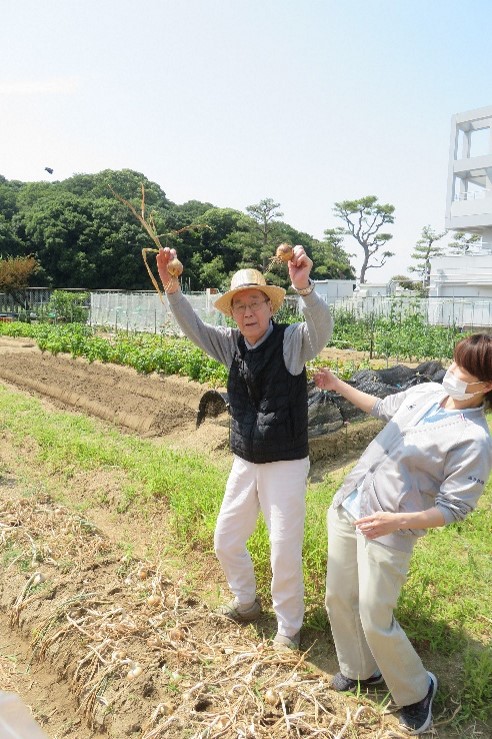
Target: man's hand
{"type": "Point", "coordinates": [169, 282]}
{"type": "Point", "coordinates": [300, 268]}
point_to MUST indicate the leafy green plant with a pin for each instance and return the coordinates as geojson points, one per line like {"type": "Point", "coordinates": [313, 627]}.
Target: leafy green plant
{"type": "Point", "coordinates": [67, 307]}
{"type": "Point", "coordinates": [404, 333]}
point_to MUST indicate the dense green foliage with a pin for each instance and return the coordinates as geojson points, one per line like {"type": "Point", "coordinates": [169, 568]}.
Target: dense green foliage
{"type": "Point", "coordinates": [82, 236]}
{"type": "Point", "coordinates": [67, 307]}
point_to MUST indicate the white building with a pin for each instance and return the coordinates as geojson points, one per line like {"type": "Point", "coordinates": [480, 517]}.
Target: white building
{"type": "Point", "coordinates": [331, 290]}
{"type": "Point", "coordinates": [468, 209]}
{"type": "Point", "coordinates": [462, 276]}
{"type": "Point", "coordinates": [469, 192]}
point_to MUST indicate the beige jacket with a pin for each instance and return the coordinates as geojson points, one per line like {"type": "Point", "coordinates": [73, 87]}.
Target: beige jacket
{"type": "Point", "coordinates": [412, 467]}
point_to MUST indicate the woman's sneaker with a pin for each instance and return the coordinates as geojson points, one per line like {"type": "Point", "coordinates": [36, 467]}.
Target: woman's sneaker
{"type": "Point", "coordinates": [417, 717]}
{"type": "Point", "coordinates": [343, 684]}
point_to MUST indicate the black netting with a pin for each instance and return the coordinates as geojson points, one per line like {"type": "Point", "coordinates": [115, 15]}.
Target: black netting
{"type": "Point", "coordinates": [328, 411]}
{"type": "Point", "coordinates": [324, 415]}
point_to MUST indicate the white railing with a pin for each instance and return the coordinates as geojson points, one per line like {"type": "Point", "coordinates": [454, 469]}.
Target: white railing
{"type": "Point", "coordinates": [473, 195]}
{"type": "Point", "coordinates": [461, 312]}
{"type": "Point", "coordinates": [143, 311]}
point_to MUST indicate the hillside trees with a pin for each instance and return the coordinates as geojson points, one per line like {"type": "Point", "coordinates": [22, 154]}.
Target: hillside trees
{"type": "Point", "coordinates": [8, 197]}
{"type": "Point", "coordinates": [82, 236]}
{"type": "Point", "coordinates": [363, 220]}
{"type": "Point", "coordinates": [55, 228]}
{"type": "Point", "coordinates": [9, 242]}
{"type": "Point", "coordinates": [214, 254]}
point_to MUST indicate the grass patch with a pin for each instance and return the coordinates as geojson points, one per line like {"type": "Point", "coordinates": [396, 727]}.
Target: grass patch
{"type": "Point", "coordinates": [444, 607]}
{"type": "Point", "coordinates": [66, 443]}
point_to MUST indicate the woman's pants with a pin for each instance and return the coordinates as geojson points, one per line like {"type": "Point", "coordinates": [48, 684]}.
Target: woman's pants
{"type": "Point", "coordinates": [278, 489]}
{"type": "Point", "coordinates": [363, 582]}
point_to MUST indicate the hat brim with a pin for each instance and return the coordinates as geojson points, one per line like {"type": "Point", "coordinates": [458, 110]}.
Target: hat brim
{"type": "Point", "coordinates": [275, 294]}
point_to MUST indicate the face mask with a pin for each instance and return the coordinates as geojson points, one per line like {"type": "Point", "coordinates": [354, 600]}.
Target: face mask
{"type": "Point", "coordinates": [456, 388]}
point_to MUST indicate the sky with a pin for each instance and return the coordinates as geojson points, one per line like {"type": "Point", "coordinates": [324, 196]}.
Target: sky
{"type": "Point", "coordinates": [307, 102]}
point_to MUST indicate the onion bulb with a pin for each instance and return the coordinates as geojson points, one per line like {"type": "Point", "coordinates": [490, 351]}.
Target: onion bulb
{"type": "Point", "coordinates": [271, 697]}
{"type": "Point", "coordinates": [135, 671]}
{"type": "Point", "coordinates": [284, 252]}
{"type": "Point", "coordinates": [174, 267]}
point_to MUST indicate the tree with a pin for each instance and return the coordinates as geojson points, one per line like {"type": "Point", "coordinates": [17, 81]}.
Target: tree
{"type": "Point", "coordinates": [363, 219]}
{"type": "Point", "coordinates": [15, 274]}
{"type": "Point", "coordinates": [68, 307]}
{"type": "Point", "coordinates": [462, 242]}
{"type": "Point", "coordinates": [331, 261]}
{"type": "Point", "coordinates": [425, 250]}
{"type": "Point", "coordinates": [9, 243]}
{"type": "Point", "coordinates": [56, 229]}
{"type": "Point", "coordinates": [126, 182]}
{"type": "Point", "coordinates": [264, 214]}
{"type": "Point", "coordinates": [218, 245]}
{"type": "Point", "coordinates": [406, 283]}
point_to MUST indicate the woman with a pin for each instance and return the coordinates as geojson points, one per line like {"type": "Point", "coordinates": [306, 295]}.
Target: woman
{"type": "Point", "coordinates": [426, 468]}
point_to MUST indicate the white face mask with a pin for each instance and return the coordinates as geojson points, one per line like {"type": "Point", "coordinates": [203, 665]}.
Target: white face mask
{"type": "Point", "coordinates": [456, 388]}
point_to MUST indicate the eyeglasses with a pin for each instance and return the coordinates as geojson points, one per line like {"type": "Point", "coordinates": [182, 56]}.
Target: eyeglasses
{"type": "Point", "coordinates": [255, 305]}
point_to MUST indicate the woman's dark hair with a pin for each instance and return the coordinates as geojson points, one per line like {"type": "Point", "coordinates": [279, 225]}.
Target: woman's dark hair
{"type": "Point", "coordinates": [474, 354]}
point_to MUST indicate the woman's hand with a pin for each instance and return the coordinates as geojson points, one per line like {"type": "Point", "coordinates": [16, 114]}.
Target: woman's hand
{"type": "Point", "coordinates": [383, 522]}
{"type": "Point", "coordinates": [325, 379]}
{"type": "Point", "coordinates": [379, 524]}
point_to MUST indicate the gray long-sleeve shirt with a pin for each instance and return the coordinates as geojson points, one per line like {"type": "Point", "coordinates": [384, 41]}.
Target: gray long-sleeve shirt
{"type": "Point", "coordinates": [302, 341]}
{"type": "Point", "coordinates": [411, 466]}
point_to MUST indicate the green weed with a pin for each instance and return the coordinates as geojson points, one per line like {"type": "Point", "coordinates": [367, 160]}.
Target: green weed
{"type": "Point", "coordinates": [476, 696]}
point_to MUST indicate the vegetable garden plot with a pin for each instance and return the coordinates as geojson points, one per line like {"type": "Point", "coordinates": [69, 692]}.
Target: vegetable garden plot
{"type": "Point", "coordinates": [142, 656]}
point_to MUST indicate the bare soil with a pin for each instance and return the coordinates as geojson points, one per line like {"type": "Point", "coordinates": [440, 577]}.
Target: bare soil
{"type": "Point", "coordinates": [99, 643]}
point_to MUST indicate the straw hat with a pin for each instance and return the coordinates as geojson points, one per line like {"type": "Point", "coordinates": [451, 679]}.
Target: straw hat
{"type": "Point", "coordinates": [250, 279]}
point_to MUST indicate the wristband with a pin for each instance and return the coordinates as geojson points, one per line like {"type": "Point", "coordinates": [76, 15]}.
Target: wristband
{"type": "Point", "coordinates": [305, 290]}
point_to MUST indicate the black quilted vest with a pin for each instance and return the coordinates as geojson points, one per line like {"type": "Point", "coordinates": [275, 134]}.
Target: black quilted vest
{"type": "Point", "coordinates": [268, 405]}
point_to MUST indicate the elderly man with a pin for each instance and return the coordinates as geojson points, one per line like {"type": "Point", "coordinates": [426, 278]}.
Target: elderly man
{"type": "Point", "coordinates": [267, 391]}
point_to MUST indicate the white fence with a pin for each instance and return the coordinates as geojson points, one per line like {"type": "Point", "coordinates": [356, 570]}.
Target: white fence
{"type": "Point", "coordinates": [462, 312]}
{"type": "Point", "coordinates": [143, 311]}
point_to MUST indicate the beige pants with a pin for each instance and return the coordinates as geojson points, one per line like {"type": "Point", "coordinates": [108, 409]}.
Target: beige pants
{"type": "Point", "coordinates": [278, 490]}
{"type": "Point", "coordinates": [364, 579]}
